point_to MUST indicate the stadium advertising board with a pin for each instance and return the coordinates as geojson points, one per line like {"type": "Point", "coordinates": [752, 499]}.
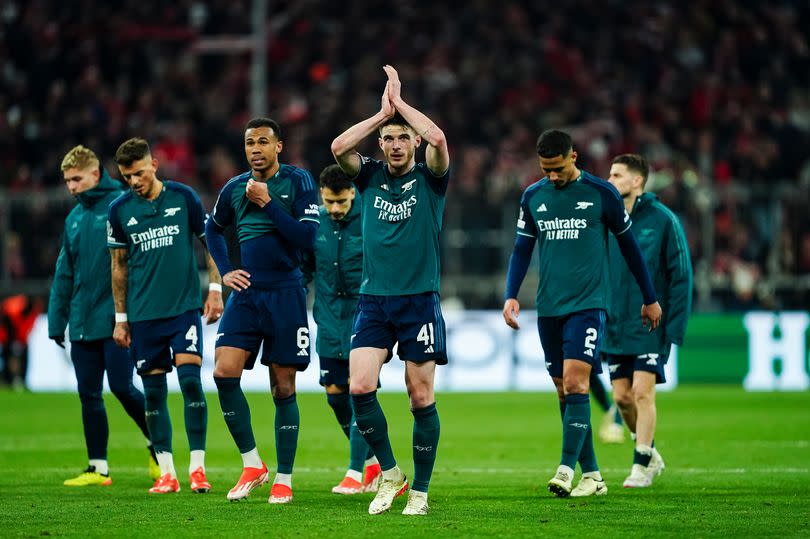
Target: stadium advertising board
{"type": "Point", "coordinates": [763, 351]}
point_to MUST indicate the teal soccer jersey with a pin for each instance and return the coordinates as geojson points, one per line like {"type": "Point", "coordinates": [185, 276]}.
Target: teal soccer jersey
{"type": "Point", "coordinates": [571, 226]}
{"type": "Point", "coordinates": [271, 259]}
{"type": "Point", "coordinates": [402, 219]}
{"type": "Point", "coordinates": [159, 235]}
{"type": "Point", "coordinates": [291, 187]}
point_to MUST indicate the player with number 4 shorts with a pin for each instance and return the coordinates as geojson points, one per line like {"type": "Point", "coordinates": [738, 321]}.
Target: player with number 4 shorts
{"type": "Point", "coordinates": [156, 290]}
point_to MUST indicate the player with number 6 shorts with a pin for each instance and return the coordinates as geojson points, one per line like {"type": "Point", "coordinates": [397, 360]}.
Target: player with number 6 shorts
{"type": "Point", "coordinates": [274, 209]}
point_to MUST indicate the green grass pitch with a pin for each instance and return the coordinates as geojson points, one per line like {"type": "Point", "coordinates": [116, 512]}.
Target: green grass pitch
{"type": "Point", "coordinates": [738, 465]}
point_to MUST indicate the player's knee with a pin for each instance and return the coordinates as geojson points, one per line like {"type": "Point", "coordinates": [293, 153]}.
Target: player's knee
{"type": "Point", "coordinates": [623, 399]}
{"type": "Point", "coordinates": [224, 369]}
{"type": "Point", "coordinates": [421, 400]}
{"type": "Point", "coordinates": [283, 391]}
{"type": "Point", "coordinates": [283, 384]}
{"type": "Point", "coordinates": [642, 397]}
{"type": "Point", "coordinates": [335, 389]}
{"type": "Point", "coordinates": [122, 391]}
{"type": "Point", "coordinates": [91, 399]}
{"type": "Point", "coordinates": [359, 387]}
{"type": "Point", "coordinates": [575, 386]}
{"type": "Point", "coordinates": [220, 371]}
{"type": "Point", "coordinates": [420, 395]}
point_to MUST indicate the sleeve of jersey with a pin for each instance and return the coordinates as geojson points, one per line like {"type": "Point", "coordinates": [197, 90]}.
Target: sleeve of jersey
{"type": "Point", "coordinates": [361, 180]}
{"type": "Point", "coordinates": [522, 252]}
{"type": "Point", "coordinates": [214, 237]}
{"type": "Point", "coordinates": [61, 292]}
{"type": "Point", "coordinates": [307, 267]}
{"type": "Point", "coordinates": [301, 227]}
{"type": "Point", "coordinates": [222, 214]}
{"type": "Point", "coordinates": [679, 269]}
{"type": "Point", "coordinates": [217, 246]}
{"type": "Point", "coordinates": [196, 211]}
{"type": "Point", "coordinates": [438, 184]}
{"type": "Point", "coordinates": [518, 265]}
{"type": "Point", "coordinates": [613, 212]}
{"type": "Point", "coordinates": [525, 223]}
{"type": "Point", "coordinates": [116, 237]}
{"type": "Point", "coordinates": [635, 261]}
{"type": "Point", "coordinates": [617, 219]}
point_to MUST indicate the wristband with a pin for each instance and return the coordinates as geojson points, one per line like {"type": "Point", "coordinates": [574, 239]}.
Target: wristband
{"type": "Point", "coordinates": [215, 287]}
{"type": "Point", "coordinates": [120, 317]}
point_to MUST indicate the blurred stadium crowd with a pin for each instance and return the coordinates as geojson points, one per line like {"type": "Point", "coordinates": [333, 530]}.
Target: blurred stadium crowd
{"type": "Point", "coordinates": [715, 93]}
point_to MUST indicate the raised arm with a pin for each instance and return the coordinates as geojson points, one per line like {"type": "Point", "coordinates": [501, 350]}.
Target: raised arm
{"type": "Point", "coordinates": [344, 147]}
{"type": "Point", "coordinates": [437, 156]}
{"type": "Point", "coordinates": [120, 274]}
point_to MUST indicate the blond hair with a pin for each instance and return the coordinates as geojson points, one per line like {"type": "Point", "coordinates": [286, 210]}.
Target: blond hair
{"type": "Point", "coordinates": [81, 158]}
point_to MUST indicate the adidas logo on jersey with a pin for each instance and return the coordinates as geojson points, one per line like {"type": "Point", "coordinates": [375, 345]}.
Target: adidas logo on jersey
{"type": "Point", "coordinates": [170, 212]}
{"type": "Point", "coordinates": [132, 221]}
{"type": "Point", "coordinates": [541, 207]}
{"type": "Point", "coordinates": [429, 349]}
{"type": "Point", "coordinates": [302, 352]}
{"type": "Point", "coordinates": [613, 368]}
{"type": "Point", "coordinates": [583, 205]}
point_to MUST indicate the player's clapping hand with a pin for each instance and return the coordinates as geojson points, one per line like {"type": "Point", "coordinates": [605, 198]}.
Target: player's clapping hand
{"type": "Point", "coordinates": [394, 85]}
{"type": "Point", "coordinates": [121, 334]}
{"type": "Point", "coordinates": [212, 311]}
{"type": "Point", "coordinates": [386, 107]}
{"type": "Point", "coordinates": [257, 193]}
{"type": "Point", "coordinates": [237, 279]}
{"type": "Point", "coordinates": [511, 310]}
{"type": "Point", "coordinates": [651, 313]}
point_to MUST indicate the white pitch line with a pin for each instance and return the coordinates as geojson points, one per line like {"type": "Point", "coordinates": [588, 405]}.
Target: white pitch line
{"type": "Point", "coordinates": [792, 444]}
